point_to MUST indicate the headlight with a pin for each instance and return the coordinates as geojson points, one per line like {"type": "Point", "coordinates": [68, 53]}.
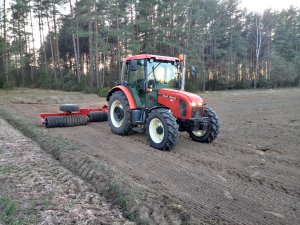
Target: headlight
{"type": "Point", "coordinates": [199, 104]}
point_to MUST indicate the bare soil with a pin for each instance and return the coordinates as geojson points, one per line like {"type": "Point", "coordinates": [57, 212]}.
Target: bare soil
{"type": "Point", "coordinates": [249, 175]}
{"type": "Point", "coordinates": [41, 191]}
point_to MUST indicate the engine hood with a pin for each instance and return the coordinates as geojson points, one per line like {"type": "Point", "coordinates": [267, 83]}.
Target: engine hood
{"type": "Point", "coordinates": [191, 97]}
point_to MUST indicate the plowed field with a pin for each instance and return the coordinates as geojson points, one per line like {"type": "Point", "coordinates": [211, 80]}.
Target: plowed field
{"type": "Point", "coordinates": [249, 175]}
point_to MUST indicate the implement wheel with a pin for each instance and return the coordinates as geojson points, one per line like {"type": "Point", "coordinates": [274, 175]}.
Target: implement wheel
{"type": "Point", "coordinates": [97, 116]}
{"type": "Point", "coordinates": [162, 129]}
{"type": "Point", "coordinates": [65, 121]}
{"type": "Point", "coordinates": [211, 132]}
{"type": "Point", "coordinates": [69, 108]}
{"type": "Point", "coordinates": [119, 114]}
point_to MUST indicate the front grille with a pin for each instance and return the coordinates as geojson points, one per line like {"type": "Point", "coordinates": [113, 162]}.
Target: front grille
{"type": "Point", "coordinates": [197, 112]}
{"type": "Point", "coordinates": [182, 107]}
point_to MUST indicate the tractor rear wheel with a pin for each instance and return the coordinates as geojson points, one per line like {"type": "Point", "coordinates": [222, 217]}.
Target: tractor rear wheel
{"type": "Point", "coordinates": [209, 134]}
{"type": "Point", "coordinates": [162, 129]}
{"type": "Point", "coordinates": [119, 114]}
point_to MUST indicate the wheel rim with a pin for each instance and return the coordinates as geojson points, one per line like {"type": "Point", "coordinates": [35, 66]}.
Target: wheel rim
{"type": "Point", "coordinates": [199, 133]}
{"type": "Point", "coordinates": [156, 130]}
{"type": "Point", "coordinates": [117, 113]}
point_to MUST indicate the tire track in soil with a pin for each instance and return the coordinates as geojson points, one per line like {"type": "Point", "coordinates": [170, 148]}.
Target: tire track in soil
{"type": "Point", "coordinates": [177, 189]}
{"type": "Point", "coordinates": [228, 182]}
{"type": "Point", "coordinates": [225, 165]}
{"type": "Point", "coordinates": [276, 178]}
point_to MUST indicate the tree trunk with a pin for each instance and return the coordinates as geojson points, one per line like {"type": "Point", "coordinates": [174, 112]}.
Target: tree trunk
{"type": "Point", "coordinates": [5, 55]}
{"type": "Point", "coordinates": [77, 47]}
{"type": "Point", "coordinates": [52, 51]}
{"type": "Point", "coordinates": [55, 42]}
{"type": "Point", "coordinates": [41, 29]}
{"type": "Point", "coordinates": [33, 49]}
{"type": "Point", "coordinates": [91, 56]}
{"type": "Point", "coordinates": [74, 45]}
{"type": "Point", "coordinates": [20, 53]}
{"type": "Point", "coordinates": [118, 40]}
{"type": "Point", "coordinates": [97, 54]}
{"type": "Point", "coordinates": [257, 49]}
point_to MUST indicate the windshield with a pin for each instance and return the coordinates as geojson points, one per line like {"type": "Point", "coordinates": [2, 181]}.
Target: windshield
{"type": "Point", "coordinates": [164, 73]}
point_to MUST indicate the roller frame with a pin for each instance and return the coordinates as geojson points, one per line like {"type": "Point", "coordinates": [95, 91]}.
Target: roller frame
{"type": "Point", "coordinates": [82, 111]}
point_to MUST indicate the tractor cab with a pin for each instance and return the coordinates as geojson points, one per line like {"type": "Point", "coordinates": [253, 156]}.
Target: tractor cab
{"type": "Point", "coordinates": [147, 74]}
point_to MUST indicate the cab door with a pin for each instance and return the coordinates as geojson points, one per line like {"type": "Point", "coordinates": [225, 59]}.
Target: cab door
{"type": "Point", "coordinates": [136, 80]}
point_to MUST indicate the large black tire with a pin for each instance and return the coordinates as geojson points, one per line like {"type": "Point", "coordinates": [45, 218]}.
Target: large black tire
{"type": "Point", "coordinates": [65, 121]}
{"type": "Point", "coordinates": [119, 114]}
{"type": "Point", "coordinates": [55, 121]}
{"type": "Point", "coordinates": [211, 133]}
{"type": "Point", "coordinates": [162, 129]}
{"type": "Point", "coordinates": [98, 116]}
{"type": "Point", "coordinates": [69, 108]}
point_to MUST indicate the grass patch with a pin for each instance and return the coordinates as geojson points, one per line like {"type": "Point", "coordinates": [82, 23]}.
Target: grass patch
{"type": "Point", "coordinates": [42, 202]}
{"type": "Point", "coordinates": [6, 169]}
{"type": "Point", "coordinates": [124, 199]}
{"type": "Point", "coordinates": [10, 213]}
{"type": "Point", "coordinates": [39, 96]}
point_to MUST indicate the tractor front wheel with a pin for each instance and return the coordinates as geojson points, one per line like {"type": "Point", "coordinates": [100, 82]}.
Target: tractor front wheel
{"type": "Point", "coordinates": [162, 129]}
{"type": "Point", "coordinates": [119, 114]}
{"type": "Point", "coordinates": [209, 134]}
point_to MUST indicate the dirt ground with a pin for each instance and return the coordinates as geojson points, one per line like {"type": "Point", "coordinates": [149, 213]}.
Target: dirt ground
{"type": "Point", "coordinates": [249, 175]}
{"type": "Point", "coordinates": [36, 189]}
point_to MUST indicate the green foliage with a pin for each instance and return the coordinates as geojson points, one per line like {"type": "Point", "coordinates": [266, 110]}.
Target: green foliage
{"type": "Point", "coordinates": [2, 80]}
{"type": "Point", "coordinates": [44, 80]}
{"type": "Point", "coordinates": [283, 73]}
{"type": "Point", "coordinates": [6, 169]}
{"type": "Point", "coordinates": [10, 213]}
{"type": "Point", "coordinates": [9, 208]}
{"type": "Point", "coordinates": [103, 92]}
{"type": "Point", "coordinates": [218, 37]}
{"type": "Point", "coordinates": [42, 202]}
{"type": "Point", "coordinates": [9, 84]}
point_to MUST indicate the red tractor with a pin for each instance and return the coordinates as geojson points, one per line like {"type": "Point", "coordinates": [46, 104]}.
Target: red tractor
{"type": "Point", "coordinates": [150, 96]}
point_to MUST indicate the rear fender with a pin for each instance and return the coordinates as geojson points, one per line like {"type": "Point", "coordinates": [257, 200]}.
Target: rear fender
{"type": "Point", "coordinates": [125, 90]}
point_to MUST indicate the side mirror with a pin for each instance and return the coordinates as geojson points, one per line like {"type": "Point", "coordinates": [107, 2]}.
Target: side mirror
{"type": "Point", "coordinates": [133, 65]}
{"type": "Point", "coordinates": [193, 70]}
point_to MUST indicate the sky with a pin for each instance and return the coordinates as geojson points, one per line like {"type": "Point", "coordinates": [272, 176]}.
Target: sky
{"type": "Point", "coordinates": [260, 5]}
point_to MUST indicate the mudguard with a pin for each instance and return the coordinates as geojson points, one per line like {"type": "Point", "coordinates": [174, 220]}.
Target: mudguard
{"type": "Point", "coordinates": [126, 91]}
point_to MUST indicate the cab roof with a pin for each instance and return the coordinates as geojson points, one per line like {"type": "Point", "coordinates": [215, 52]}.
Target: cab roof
{"type": "Point", "coordinates": [149, 56]}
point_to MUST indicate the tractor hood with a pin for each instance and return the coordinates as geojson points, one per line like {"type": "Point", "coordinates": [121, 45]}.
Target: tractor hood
{"type": "Point", "coordinates": [178, 94]}
{"type": "Point", "coordinates": [181, 103]}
